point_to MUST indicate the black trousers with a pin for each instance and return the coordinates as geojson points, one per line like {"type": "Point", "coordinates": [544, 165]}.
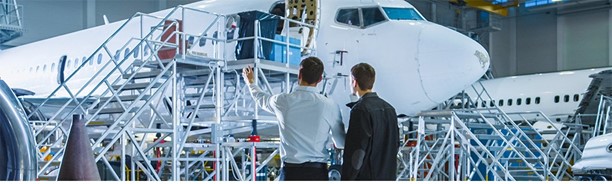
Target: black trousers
{"type": "Point", "coordinates": [309, 171]}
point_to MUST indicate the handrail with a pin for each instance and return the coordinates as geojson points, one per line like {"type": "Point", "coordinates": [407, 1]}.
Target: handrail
{"type": "Point", "coordinates": [116, 73]}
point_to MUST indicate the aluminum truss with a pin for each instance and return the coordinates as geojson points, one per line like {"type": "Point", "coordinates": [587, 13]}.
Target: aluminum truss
{"type": "Point", "coordinates": [152, 117]}
{"type": "Point", "coordinates": [11, 23]}
{"type": "Point", "coordinates": [473, 143]}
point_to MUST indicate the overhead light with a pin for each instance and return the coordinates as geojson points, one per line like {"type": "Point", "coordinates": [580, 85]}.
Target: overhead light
{"type": "Point", "coordinates": [556, 1]}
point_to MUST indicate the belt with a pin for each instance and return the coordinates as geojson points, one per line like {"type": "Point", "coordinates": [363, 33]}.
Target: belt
{"type": "Point", "coordinates": [317, 165]}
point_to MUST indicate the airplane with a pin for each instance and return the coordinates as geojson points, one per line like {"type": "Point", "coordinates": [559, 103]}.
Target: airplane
{"type": "Point", "coordinates": [419, 63]}
{"type": "Point", "coordinates": [539, 92]}
{"type": "Point", "coordinates": [542, 92]}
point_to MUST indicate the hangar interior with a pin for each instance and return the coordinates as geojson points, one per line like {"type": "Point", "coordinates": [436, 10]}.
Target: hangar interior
{"type": "Point", "coordinates": [197, 97]}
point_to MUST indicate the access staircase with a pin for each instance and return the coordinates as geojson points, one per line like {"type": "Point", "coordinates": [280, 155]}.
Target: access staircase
{"type": "Point", "coordinates": [469, 143]}
{"type": "Point", "coordinates": [167, 112]}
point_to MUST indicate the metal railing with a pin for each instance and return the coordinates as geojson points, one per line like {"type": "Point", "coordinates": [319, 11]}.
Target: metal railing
{"type": "Point", "coordinates": [11, 15]}
{"type": "Point", "coordinates": [129, 123]}
{"type": "Point", "coordinates": [11, 20]}
{"type": "Point", "coordinates": [517, 150]}
{"type": "Point", "coordinates": [603, 121]}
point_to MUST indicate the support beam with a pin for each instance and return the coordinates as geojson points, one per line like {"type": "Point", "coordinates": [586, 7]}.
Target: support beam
{"type": "Point", "coordinates": [561, 65]}
{"type": "Point", "coordinates": [90, 13]}
{"type": "Point", "coordinates": [500, 9]}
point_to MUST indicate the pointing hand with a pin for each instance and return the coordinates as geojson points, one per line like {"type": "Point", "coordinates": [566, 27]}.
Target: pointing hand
{"type": "Point", "coordinates": [247, 75]}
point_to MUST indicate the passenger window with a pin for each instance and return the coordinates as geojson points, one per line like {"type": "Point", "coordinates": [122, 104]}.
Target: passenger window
{"type": "Point", "coordinates": [509, 102]}
{"type": "Point", "coordinates": [492, 103]}
{"type": "Point", "coordinates": [117, 55]}
{"type": "Point", "coordinates": [484, 103]}
{"type": "Point", "coordinates": [37, 68]}
{"type": "Point", "coordinates": [76, 64]}
{"type": "Point", "coordinates": [476, 104]}
{"type": "Point", "coordinates": [348, 16]}
{"type": "Point", "coordinates": [501, 103]}
{"type": "Point", "coordinates": [76, 61]}
{"type": "Point", "coordinates": [126, 53]}
{"type": "Point", "coordinates": [136, 50]}
{"type": "Point", "coordinates": [519, 101]}
{"type": "Point", "coordinates": [31, 69]}
{"type": "Point", "coordinates": [528, 101]}
{"type": "Point", "coordinates": [44, 68]}
{"type": "Point", "coordinates": [557, 99]}
{"type": "Point", "coordinates": [100, 58]}
{"type": "Point", "coordinates": [372, 16]}
{"type": "Point", "coordinates": [576, 97]}
{"type": "Point", "coordinates": [52, 67]}
{"type": "Point", "coordinates": [537, 100]}
{"type": "Point", "coordinates": [146, 50]}
{"type": "Point", "coordinates": [566, 98]}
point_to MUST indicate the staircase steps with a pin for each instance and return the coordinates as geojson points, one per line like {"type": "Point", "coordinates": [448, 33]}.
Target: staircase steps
{"type": "Point", "coordinates": [115, 110]}
{"type": "Point", "coordinates": [136, 86]}
{"type": "Point", "coordinates": [144, 75]}
{"type": "Point", "coordinates": [124, 98]}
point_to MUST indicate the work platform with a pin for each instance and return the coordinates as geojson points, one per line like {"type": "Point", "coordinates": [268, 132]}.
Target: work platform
{"type": "Point", "coordinates": [171, 107]}
{"type": "Point", "coordinates": [11, 23]}
{"type": "Point", "coordinates": [464, 142]}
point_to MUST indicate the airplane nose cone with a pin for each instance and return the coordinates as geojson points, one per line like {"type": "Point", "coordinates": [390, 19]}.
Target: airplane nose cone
{"type": "Point", "coordinates": [452, 60]}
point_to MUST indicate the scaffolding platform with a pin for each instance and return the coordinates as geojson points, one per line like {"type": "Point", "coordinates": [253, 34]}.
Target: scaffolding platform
{"type": "Point", "coordinates": [11, 25]}
{"type": "Point", "coordinates": [182, 112]}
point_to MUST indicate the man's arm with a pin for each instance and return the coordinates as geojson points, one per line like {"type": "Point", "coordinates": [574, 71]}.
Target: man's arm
{"type": "Point", "coordinates": [356, 145]}
{"type": "Point", "coordinates": [337, 129]}
{"type": "Point", "coordinates": [265, 100]}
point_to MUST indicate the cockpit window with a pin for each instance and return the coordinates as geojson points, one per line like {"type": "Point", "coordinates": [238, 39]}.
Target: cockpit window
{"type": "Point", "coordinates": [372, 16]}
{"type": "Point", "coordinates": [348, 16]}
{"type": "Point", "coordinates": [402, 14]}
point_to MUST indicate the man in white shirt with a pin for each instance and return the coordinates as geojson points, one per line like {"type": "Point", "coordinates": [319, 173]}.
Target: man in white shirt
{"type": "Point", "coordinates": [305, 120]}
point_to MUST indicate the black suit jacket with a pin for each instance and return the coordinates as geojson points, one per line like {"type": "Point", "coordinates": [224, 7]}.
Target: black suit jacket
{"type": "Point", "coordinates": [372, 141]}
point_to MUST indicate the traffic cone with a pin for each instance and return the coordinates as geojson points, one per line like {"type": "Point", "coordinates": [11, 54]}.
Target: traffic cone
{"type": "Point", "coordinates": [78, 162]}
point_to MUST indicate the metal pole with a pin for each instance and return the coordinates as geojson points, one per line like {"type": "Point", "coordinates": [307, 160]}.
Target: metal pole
{"type": "Point", "coordinates": [218, 113]}
{"type": "Point", "coordinates": [598, 117]}
{"type": "Point", "coordinates": [183, 44]}
{"type": "Point", "coordinates": [175, 123]}
{"type": "Point", "coordinates": [256, 61]}
{"type": "Point", "coordinates": [133, 166]}
{"type": "Point", "coordinates": [606, 120]}
{"type": "Point", "coordinates": [122, 167]}
{"type": "Point", "coordinates": [254, 162]}
{"type": "Point", "coordinates": [452, 144]}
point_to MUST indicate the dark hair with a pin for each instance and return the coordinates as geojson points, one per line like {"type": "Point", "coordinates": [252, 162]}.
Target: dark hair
{"type": "Point", "coordinates": [365, 75]}
{"type": "Point", "coordinates": [311, 70]}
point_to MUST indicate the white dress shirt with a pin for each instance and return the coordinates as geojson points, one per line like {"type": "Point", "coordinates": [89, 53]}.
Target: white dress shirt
{"type": "Point", "coordinates": [305, 119]}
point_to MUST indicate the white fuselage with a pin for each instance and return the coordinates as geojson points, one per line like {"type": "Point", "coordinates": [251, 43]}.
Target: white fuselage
{"type": "Point", "coordinates": [556, 94]}
{"type": "Point", "coordinates": [418, 63]}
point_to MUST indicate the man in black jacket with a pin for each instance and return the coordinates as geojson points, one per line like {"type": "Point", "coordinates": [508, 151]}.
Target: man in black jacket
{"type": "Point", "coordinates": [372, 140]}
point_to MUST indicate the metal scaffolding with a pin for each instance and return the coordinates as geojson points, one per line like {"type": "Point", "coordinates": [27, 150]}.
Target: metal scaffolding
{"type": "Point", "coordinates": [171, 107]}
{"type": "Point", "coordinates": [470, 143]}
{"type": "Point", "coordinates": [11, 25]}
{"type": "Point", "coordinates": [169, 104]}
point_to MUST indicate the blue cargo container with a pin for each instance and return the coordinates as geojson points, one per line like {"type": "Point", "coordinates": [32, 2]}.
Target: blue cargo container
{"type": "Point", "coordinates": [279, 50]}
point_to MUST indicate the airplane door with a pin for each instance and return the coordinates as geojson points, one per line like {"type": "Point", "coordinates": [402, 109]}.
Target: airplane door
{"type": "Point", "coordinates": [60, 69]}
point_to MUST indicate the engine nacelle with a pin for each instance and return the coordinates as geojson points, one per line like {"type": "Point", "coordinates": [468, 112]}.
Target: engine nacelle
{"type": "Point", "coordinates": [596, 159]}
